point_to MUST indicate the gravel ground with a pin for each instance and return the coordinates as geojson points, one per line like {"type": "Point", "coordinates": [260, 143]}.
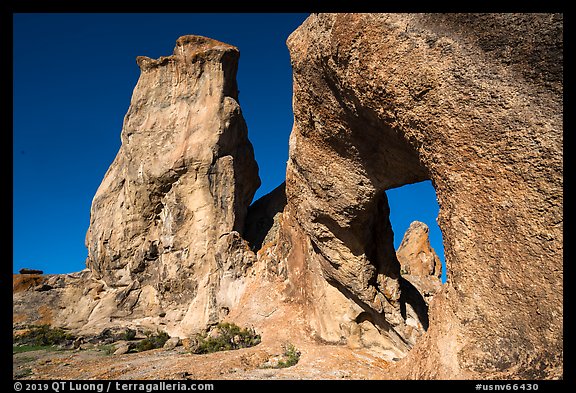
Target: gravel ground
{"type": "Point", "coordinates": [317, 361]}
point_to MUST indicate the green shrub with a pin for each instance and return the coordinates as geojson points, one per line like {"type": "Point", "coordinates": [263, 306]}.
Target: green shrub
{"type": "Point", "coordinates": [20, 348]}
{"type": "Point", "coordinates": [230, 336]}
{"type": "Point", "coordinates": [292, 356]}
{"type": "Point", "coordinates": [43, 336]}
{"type": "Point", "coordinates": [108, 349]}
{"type": "Point", "coordinates": [152, 341]}
{"type": "Point", "coordinates": [129, 335]}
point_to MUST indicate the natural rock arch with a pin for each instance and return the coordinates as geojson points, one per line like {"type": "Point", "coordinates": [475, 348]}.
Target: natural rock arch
{"type": "Point", "coordinates": [472, 102]}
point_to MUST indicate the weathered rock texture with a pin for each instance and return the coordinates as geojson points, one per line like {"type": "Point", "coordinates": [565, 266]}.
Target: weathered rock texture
{"type": "Point", "coordinates": [419, 263]}
{"type": "Point", "coordinates": [165, 246]}
{"type": "Point", "coordinates": [165, 221]}
{"type": "Point", "coordinates": [262, 222]}
{"type": "Point", "coordinates": [415, 254]}
{"type": "Point", "coordinates": [472, 102]}
{"type": "Point", "coordinates": [67, 300]}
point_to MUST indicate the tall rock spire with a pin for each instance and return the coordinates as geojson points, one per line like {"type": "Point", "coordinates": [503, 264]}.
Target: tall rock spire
{"type": "Point", "coordinates": [181, 182]}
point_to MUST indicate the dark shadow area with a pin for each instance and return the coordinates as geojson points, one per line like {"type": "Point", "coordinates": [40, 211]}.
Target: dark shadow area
{"type": "Point", "coordinates": [410, 295]}
{"type": "Point", "coordinates": [261, 217]}
{"type": "Point", "coordinates": [369, 314]}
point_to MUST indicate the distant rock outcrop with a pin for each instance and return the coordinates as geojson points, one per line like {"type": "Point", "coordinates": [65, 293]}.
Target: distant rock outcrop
{"type": "Point", "coordinates": [419, 263]}
{"type": "Point", "coordinates": [30, 271]}
{"type": "Point", "coordinates": [415, 255]}
{"type": "Point", "coordinates": [473, 103]}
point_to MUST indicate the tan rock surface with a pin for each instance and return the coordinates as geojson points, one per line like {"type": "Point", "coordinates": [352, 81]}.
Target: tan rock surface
{"type": "Point", "coordinates": [419, 263]}
{"type": "Point", "coordinates": [471, 102]}
{"type": "Point", "coordinates": [474, 103]}
{"type": "Point", "coordinates": [178, 191]}
{"type": "Point", "coordinates": [164, 244]}
{"type": "Point", "coordinates": [64, 299]}
{"type": "Point", "coordinates": [415, 254]}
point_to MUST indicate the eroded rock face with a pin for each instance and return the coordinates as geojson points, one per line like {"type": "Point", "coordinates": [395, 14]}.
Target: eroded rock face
{"type": "Point", "coordinates": [165, 245]}
{"type": "Point", "coordinates": [177, 193]}
{"type": "Point", "coordinates": [263, 217]}
{"type": "Point", "coordinates": [415, 254]}
{"type": "Point", "coordinates": [421, 272]}
{"type": "Point", "coordinates": [66, 300]}
{"type": "Point", "coordinates": [473, 103]}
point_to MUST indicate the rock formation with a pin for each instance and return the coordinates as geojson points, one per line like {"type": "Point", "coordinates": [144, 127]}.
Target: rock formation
{"type": "Point", "coordinates": [164, 239]}
{"type": "Point", "coordinates": [415, 255]}
{"type": "Point", "coordinates": [175, 198]}
{"type": "Point", "coordinates": [67, 300]}
{"type": "Point", "coordinates": [263, 217]}
{"type": "Point", "coordinates": [473, 103]}
{"type": "Point", "coordinates": [419, 263]}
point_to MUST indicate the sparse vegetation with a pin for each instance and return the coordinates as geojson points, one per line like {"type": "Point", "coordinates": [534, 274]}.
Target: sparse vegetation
{"type": "Point", "coordinates": [288, 358]}
{"type": "Point", "coordinates": [129, 334]}
{"type": "Point", "coordinates": [20, 348]}
{"type": "Point", "coordinates": [26, 359]}
{"type": "Point", "coordinates": [108, 349]}
{"type": "Point", "coordinates": [291, 354]}
{"type": "Point", "coordinates": [228, 336]}
{"type": "Point", "coordinates": [26, 372]}
{"type": "Point", "coordinates": [152, 341]}
{"type": "Point", "coordinates": [41, 336]}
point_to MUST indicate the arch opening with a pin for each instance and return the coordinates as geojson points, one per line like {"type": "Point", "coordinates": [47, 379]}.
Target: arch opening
{"type": "Point", "coordinates": [417, 203]}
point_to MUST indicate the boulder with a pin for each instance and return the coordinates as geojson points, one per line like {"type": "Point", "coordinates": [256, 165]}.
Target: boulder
{"type": "Point", "coordinates": [190, 344]}
{"type": "Point", "coordinates": [171, 343]}
{"type": "Point", "coordinates": [122, 348]}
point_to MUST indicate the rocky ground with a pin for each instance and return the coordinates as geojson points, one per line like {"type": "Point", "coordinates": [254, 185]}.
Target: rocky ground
{"type": "Point", "coordinates": [280, 327]}
{"type": "Point", "coordinates": [317, 361]}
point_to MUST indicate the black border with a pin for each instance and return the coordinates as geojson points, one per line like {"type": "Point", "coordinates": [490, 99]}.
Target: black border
{"type": "Point", "coordinates": [305, 6]}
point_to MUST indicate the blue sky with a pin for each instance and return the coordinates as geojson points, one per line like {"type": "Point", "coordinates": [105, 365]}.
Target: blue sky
{"type": "Point", "coordinates": [73, 79]}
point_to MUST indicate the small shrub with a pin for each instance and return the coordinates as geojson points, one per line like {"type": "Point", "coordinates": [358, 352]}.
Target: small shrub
{"type": "Point", "coordinates": [108, 349]}
{"type": "Point", "coordinates": [292, 356]}
{"type": "Point", "coordinates": [230, 336]}
{"type": "Point", "coordinates": [44, 336]}
{"type": "Point", "coordinates": [128, 335]}
{"type": "Point", "coordinates": [152, 341]}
